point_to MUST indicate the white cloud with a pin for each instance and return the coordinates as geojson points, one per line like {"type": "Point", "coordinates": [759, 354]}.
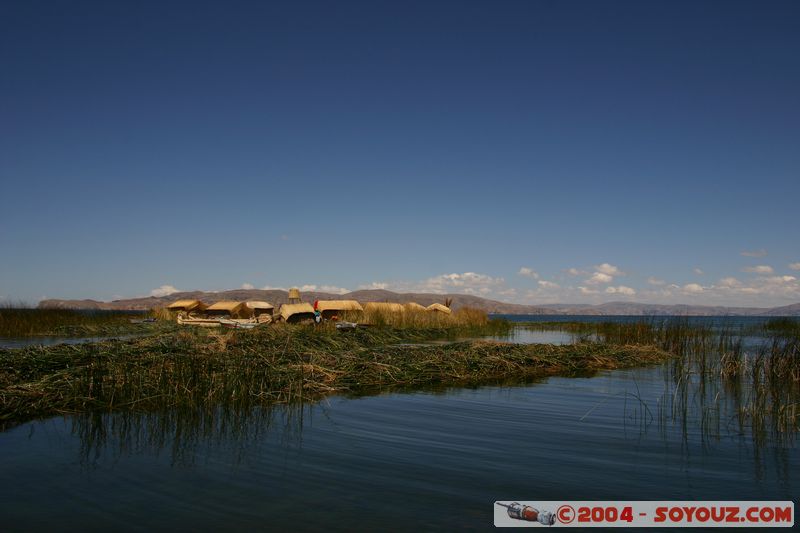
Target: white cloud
{"type": "Point", "coordinates": [333, 289]}
{"type": "Point", "coordinates": [527, 272]}
{"type": "Point", "coordinates": [760, 269]}
{"type": "Point", "coordinates": [609, 270]}
{"type": "Point", "coordinates": [762, 288]}
{"type": "Point", "coordinates": [374, 285]}
{"type": "Point", "coordinates": [729, 282]}
{"type": "Point", "coordinates": [465, 282]}
{"type": "Point", "coordinates": [622, 289]}
{"type": "Point", "coordinates": [604, 273]}
{"type": "Point", "coordinates": [248, 286]}
{"type": "Point", "coordinates": [794, 266]}
{"type": "Point", "coordinates": [164, 290]}
{"type": "Point", "coordinates": [600, 277]}
{"type": "Point", "coordinates": [779, 279]}
{"type": "Point", "coordinates": [771, 290]}
{"type": "Point", "coordinates": [323, 288]}
{"type": "Point", "coordinates": [548, 284]}
{"type": "Point", "coordinates": [777, 288]}
{"type": "Point", "coordinates": [698, 271]}
{"type": "Point", "coordinates": [693, 288]}
{"type": "Point", "coordinates": [575, 272]}
{"type": "Point", "coordinates": [271, 288]}
{"type": "Point", "coordinates": [754, 253]}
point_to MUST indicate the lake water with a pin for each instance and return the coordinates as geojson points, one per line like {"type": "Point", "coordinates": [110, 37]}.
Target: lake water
{"type": "Point", "coordinates": [427, 459]}
{"type": "Point", "coordinates": [728, 322]}
{"type": "Point", "coordinates": [516, 335]}
{"type": "Point", "coordinates": [423, 460]}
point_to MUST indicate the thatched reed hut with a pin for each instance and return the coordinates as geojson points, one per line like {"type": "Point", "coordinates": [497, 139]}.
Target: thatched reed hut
{"type": "Point", "coordinates": [292, 313]}
{"type": "Point", "coordinates": [335, 308]}
{"type": "Point", "coordinates": [259, 308]}
{"type": "Point", "coordinates": [229, 308]}
{"type": "Point", "coordinates": [439, 308]}
{"type": "Point", "coordinates": [383, 307]}
{"type": "Point", "coordinates": [414, 306]}
{"type": "Point", "coordinates": [187, 306]}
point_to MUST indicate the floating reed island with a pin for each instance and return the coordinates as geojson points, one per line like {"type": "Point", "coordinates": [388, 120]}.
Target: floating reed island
{"type": "Point", "coordinates": [199, 368]}
{"type": "Point", "coordinates": [250, 314]}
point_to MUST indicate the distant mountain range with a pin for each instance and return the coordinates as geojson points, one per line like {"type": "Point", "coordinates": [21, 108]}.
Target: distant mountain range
{"type": "Point", "coordinates": [278, 297]}
{"type": "Point", "coordinates": [639, 309]}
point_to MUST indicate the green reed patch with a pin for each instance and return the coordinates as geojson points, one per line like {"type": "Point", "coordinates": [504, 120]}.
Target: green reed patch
{"type": "Point", "coordinates": [785, 326]}
{"type": "Point", "coordinates": [23, 322]}
{"type": "Point", "coordinates": [280, 364]}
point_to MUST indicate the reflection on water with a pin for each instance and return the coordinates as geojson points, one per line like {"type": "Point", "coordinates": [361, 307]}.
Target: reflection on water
{"type": "Point", "coordinates": [532, 336]}
{"type": "Point", "coordinates": [517, 335]}
{"type": "Point", "coordinates": [427, 459]}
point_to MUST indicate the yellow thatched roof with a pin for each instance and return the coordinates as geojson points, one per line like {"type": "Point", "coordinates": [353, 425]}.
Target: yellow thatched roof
{"type": "Point", "coordinates": [287, 310]}
{"type": "Point", "coordinates": [439, 308]}
{"type": "Point", "coordinates": [414, 306]}
{"type": "Point", "coordinates": [339, 305]}
{"type": "Point", "coordinates": [383, 307]}
{"type": "Point", "coordinates": [186, 305]}
{"type": "Point", "coordinates": [256, 304]}
{"type": "Point", "coordinates": [225, 305]}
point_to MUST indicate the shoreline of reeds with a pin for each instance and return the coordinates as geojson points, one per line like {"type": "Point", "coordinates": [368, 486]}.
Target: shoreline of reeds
{"type": "Point", "coordinates": [279, 364]}
{"type": "Point", "coordinates": [18, 322]}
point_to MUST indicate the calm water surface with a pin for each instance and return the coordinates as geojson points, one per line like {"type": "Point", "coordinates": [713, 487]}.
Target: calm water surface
{"type": "Point", "coordinates": [727, 322]}
{"type": "Point", "coordinates": [516, 336]}
{"type": "Point", "coordinates": [398, 461]}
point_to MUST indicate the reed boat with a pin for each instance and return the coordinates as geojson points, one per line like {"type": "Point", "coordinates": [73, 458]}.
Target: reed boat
{"type": "Point", "coordinates": [202, 322]}
{"type": "Point", "coordinates": [238, 324]}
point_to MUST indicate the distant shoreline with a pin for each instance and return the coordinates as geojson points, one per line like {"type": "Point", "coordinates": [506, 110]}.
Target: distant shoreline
{"type": "Point", "coordinates": [494, 307]}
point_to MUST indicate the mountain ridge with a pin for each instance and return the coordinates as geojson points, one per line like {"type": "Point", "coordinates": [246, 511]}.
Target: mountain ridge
{"type": "Point", "coordinates": [277, 297]}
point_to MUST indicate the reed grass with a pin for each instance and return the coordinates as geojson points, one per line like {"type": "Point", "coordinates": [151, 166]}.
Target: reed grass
{"type": "Point", "coordinates": [673, 334]}
{"type": "Point", "coordinates": [27, 322]}
{"type": "Point", "coordinates": [713, 373]}
{"type": "Point", "coordinates": [280, 364]}
{"type": "Point", "coordinates": [415, 318]}
{"type": "Point", "coordinates": [784, 326]}
{"type": "Point", "coordinates": [758, 389]}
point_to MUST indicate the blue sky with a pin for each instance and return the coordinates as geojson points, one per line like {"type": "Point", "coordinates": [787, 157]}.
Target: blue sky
{"type": "Point", "coordinates": [509, 149]}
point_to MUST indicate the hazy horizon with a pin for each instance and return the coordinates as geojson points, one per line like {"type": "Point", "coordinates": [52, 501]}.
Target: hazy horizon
{"type": "Point", "coordinates": [528, 152]}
